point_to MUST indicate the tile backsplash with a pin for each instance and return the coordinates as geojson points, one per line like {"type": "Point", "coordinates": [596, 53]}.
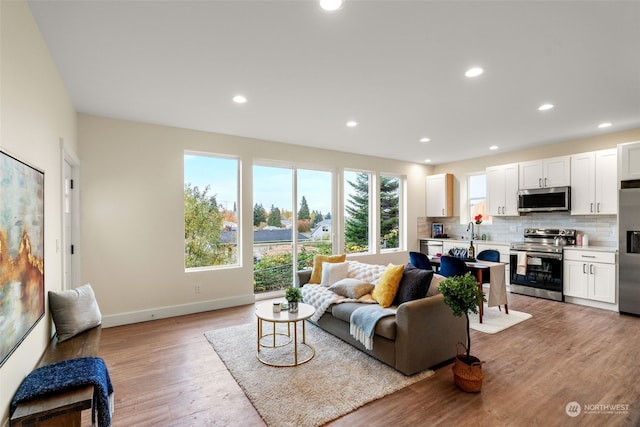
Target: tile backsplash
{"type": "Point", "coordinates": [601, 229]}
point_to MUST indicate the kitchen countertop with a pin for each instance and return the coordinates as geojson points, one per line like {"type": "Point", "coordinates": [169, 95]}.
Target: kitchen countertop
{"type": "Point", "coordinates": [593, 248]}
{"type": "Point", "coordinates": [495, 242]}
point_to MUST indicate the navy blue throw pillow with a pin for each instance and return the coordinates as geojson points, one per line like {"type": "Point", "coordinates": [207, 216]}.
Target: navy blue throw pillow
{"type": "Point", "coordinates": [414, 284]}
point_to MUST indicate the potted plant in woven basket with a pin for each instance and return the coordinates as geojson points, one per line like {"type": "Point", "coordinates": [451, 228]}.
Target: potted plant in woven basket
{"type": "Point", "coordinates": [293, 295]}
{"type": "Point", "coordinates": [463, 295]}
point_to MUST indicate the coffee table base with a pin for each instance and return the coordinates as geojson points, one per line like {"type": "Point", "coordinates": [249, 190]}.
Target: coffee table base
{"type": "Point", "coordinates": [273, 350]}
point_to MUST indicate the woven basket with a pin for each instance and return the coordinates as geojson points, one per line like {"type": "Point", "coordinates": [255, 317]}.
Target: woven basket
{"type": "Point", "coordinates": [467, 377]}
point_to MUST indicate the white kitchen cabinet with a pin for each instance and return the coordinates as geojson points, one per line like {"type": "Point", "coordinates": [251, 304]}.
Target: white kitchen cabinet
{"type": "Point", "coordinates": [590, 275]}
{"type": "Point", "coordinates": [440, 195]}
{"type": "Point", "coordinates": [594, 183]}
{"type": "Point", "coordinates": [629, 161]}
{"type": "Point", "coordinates": [502, 190]}
{"type": "Point", "coordinates": [545, 173]}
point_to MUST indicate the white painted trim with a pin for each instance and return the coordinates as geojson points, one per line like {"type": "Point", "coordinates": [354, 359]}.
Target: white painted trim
{"type": "Point", "coordinates": [175, 310]}
{"type": "Point", "coordinates": [591, 303]}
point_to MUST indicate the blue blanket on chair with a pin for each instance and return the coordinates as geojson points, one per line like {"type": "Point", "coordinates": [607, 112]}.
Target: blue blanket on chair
{"type": "Point", "coordinates": [66, 375]}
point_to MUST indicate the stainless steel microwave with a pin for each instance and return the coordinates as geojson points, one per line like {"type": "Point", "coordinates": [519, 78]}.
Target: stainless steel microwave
{"type": "Point", "coordinates": [544, 199]}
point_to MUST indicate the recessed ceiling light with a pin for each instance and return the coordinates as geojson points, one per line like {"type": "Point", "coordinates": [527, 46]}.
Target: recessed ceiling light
{"type": "Point", "coordinates": [493, 147]}
{"type": "Point", "coordinates": [331, 5]}
{"type": "Point", "coordinates": [604, 125]}
{"type": "Point", "coordinates": [545, 107]}
{"type": "Point", "coordinates": [352, 124]}
{"type": "Point", "coordinates": [424, 140]}
{"type": "Point", "coordinates": [427, 160]}
{"type": "Point", "coordinates": [239, 99]}
{"type": "Point", "coordinates": [474, 72]}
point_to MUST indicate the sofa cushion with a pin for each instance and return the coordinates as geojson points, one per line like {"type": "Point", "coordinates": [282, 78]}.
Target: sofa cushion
{"type": "Point", "coordinates": [316, 273]}
{"type": "Point", "coordinates": [413, 285]}
{"type": "Point", "coordinates": [333, 272]}
{"type": "Point", "coordinates": [351, 288]}
{"type": "Point", "coordinates": [386, 288]}
{"type": "Point", "coordinates": [386, 327]}
{"type": "Point", "coordinates": [435, 284]}
{"type": "Point", "coordinates": [370, 273]}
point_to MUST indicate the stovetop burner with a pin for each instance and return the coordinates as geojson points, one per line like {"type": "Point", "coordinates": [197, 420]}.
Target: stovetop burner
{"type": "Point", "coordinates": [545, 240]}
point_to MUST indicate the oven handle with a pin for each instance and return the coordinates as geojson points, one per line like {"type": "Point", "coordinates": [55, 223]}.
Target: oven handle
{"type": "Point", "coordinates": [551, 255]}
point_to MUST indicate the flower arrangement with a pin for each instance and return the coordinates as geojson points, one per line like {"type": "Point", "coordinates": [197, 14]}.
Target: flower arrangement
{"type": "Point", "coordinates": [478, 219]}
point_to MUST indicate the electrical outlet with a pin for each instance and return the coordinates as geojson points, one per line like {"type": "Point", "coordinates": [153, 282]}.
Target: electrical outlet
{"type": "Point", "coordinates": [197, 289]}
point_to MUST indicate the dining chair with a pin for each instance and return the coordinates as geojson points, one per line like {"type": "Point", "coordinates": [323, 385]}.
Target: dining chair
{"type": "Point", "coordinates": [420, 260]}
{"type": "Point", "coordinates": [493, 256]}
{"type": "Point", "coordinates": [452, 266]}
{"type": "Point", "coordinates": [489, 255]}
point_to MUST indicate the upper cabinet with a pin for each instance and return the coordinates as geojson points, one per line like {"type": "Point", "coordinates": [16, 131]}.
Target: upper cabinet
{"type": "Point", "coordinates": [502, 190]}
{"type": "Point", "coordinates": [629, 161]}
{"type": "Point", "coordinates": [440, 195]}
{"type": "Point", "coordinates": [545, 173]}
{"type": "Point", "coordinates": [594, 183]}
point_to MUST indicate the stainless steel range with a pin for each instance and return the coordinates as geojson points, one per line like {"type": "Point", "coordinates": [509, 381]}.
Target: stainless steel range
{"type": "Point", "coordinates": [536, 262]}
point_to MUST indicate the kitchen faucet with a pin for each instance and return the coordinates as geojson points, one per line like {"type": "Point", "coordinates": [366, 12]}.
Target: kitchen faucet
{"type": "Point", "coordinates": [471, 227]}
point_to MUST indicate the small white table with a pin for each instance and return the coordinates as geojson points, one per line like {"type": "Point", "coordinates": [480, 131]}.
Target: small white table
{"type": "Point", "coordinates": [264, 313]}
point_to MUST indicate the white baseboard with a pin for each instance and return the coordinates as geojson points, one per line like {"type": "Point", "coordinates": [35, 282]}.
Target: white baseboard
{"type": "Point", "coordinates": [591, 303]}
{"type": "Point", "coordinates": [173, 311]}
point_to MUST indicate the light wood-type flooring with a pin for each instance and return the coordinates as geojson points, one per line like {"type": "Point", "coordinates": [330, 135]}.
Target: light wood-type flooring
{"type": "Point", "coordinates": [165, 373]}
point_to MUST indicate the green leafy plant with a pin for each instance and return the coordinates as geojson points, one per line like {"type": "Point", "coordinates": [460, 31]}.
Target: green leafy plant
{"type": "Point", "coordinates": [463, 295]}
{"type": "Point", "coordinates": [293, 294]}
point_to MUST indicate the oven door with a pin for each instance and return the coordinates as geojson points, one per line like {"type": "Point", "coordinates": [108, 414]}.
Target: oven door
{"type": "Point", "coordinates": [541, 276]}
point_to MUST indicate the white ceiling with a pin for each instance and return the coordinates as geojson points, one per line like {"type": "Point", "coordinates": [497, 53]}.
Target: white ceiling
{"type": "Point", "coordinates": [395, 67]}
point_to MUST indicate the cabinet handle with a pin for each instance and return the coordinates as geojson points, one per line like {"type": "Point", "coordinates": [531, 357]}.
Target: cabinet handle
{"type": "Point", "coordinates": [591, 207]}
{"type": "Point", "coordinates": [598, 207]}
{"type": "Point", "coordinates": [503, 210]}
{"type": "Point", "coordinates": [584, 268]}
{"type": "Point", "coordinates": [591, 268]}
{"type": "Point", "coordinates": [442, 212]}
{"type": "Point", "coordinates": [545, 182]}
{"type": "Point", "coordinates": [588, 256]}
{"type": "Point", "coordinates": [540, 182]}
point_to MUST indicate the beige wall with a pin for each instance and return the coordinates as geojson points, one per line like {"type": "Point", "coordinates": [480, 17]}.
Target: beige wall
{"type": "Point", "coordinates": [35, 115]}
{"type": "Point", "coordinates": [133, 222]}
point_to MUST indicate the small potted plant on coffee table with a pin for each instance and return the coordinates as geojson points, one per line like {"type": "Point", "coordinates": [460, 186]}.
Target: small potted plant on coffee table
{"type": "Point", "coordinates": [463, 295]}
{"type": "Point", "coordinates": [293, 295]}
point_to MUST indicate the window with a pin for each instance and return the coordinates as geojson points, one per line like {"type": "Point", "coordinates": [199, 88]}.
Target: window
{"type": "Point", "coordinates": [357, 197]}
{"type": "Point", "coordinates": [210, 211]}
{"type": "Point", "coordinates": [390, 191]}
{"type": "Point", "coordinates": [477, 191]}
{"type": "Point", "coordinates": [284, 235]}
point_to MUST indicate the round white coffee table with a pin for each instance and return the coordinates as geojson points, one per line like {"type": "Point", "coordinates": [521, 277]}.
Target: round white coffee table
{"type": "Point", "coordinates": [272, 340]}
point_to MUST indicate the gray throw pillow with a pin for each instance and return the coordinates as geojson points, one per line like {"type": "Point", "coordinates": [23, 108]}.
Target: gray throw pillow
{"type": "Point", "coordinates": [74, 311]}
{"type": "Point", "coordinates": [351, 288]}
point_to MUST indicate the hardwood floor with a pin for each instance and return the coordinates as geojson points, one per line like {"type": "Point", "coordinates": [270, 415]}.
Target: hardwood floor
{"type": "Point", "coordinates": [165, 373]}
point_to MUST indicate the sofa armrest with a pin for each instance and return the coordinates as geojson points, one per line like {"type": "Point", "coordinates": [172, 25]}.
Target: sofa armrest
{"type": "Point", "coordinates": [303, 277]}
{"type": "Point", "coordinates": [426, 334]}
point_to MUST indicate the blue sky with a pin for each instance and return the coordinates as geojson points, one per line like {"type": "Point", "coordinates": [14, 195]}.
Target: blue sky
{"type": "Point", "coordinates": [272, 186]}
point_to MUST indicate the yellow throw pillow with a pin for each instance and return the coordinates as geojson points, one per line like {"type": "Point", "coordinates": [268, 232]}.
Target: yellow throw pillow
{"type": "Point", "coordinates": [385, 291]}
{"type": "Point", "coordinates": [316, 273]}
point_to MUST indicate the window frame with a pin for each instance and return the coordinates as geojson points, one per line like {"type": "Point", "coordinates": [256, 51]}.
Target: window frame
{"type": "Point", "coordinates": [237, 202]}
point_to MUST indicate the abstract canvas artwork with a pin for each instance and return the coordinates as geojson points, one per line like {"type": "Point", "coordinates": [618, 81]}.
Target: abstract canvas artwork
{"type": "Point", "coordinates": [21, 252]}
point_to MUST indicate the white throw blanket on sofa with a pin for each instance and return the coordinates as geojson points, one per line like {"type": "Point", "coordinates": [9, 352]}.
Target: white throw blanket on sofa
{"type": "Point", "coordinates": [321, 297]}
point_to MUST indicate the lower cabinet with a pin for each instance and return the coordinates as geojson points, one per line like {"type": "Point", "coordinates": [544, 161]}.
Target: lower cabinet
{"type": "Point", "coordinates": [590, 275]}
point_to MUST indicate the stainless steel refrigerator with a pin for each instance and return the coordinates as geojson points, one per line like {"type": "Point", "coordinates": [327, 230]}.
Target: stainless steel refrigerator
{"type": "Point", "coordinates": [629, 247]}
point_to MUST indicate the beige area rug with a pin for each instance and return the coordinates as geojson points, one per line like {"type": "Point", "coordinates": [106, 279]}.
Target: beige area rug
{"type": "Point", "coordinates": [336, 381]}
{"type": "Point", "coordinates": [494, 320]}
